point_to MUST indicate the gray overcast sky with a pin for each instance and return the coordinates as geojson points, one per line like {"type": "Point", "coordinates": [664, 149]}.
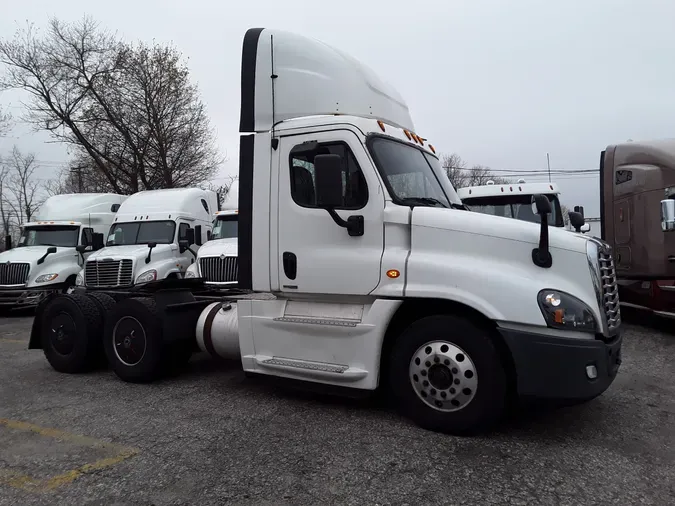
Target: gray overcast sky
{"type": "Point", "coordinates": [499, 82]}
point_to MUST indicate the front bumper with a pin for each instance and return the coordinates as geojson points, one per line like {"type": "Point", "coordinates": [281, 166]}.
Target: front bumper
{"type": "Point", "coordinates": [26, 297]}
{"type": "Point", "coordinates": [554, 368]}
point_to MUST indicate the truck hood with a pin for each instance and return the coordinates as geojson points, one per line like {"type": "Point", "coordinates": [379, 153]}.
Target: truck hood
{"type": "Point", "coordinates": [134, 251]}
{"type": "Point", "coordinates": [31, 254]}
{"type": "Point", "coordinates": [227, 247]}
{"type": "Point", "coordinates": [498, 227]}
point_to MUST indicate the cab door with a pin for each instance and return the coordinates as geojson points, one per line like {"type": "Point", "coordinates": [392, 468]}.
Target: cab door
{"type": "Point", "coordinates": [315, 255]}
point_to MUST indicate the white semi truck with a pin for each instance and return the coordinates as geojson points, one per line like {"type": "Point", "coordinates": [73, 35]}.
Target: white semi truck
{"type": "Point", "coordinates": [514, 200]}
{"type": "Point", "coordinates": [155, 235]}
{"type": "Point", "coordinates": [360, 268]}
{"type": "Point", "coordinates": [53, 246]}
{"type": "Point", "coordinates": [217, 260]}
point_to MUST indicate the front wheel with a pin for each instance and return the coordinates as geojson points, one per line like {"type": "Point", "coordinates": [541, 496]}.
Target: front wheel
{"type": "Point", "coordinates": [447, 375]}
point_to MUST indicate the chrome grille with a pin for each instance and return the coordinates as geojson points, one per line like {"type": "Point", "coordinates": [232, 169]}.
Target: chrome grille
{"type": "Point", "coordinates": [108, 273]}
{"type": "Point", "coordinates": [14, 273]}
{"type": "Point", "coordinates": [219, 269]}
{"type": "Point", "coordinates": [610, 290]}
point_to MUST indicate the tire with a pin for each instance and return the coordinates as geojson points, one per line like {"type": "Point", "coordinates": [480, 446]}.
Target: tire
{"type": "Point", "coordinates": [70, 330]}
{"type": "Point", "coordinates": [133, 327]}
{"type": "Point", "coordinates": [105, 303]}
{"type": "Point", "coordinates": [70, 285]}
{"type": "Point", "coordinates": [464, 392]}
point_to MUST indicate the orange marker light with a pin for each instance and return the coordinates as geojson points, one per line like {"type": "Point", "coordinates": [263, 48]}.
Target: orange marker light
{"type": "Point", "coordinates": [432, 149]}
{"type": "Point", "coordinates": [407, 134]}
{"type": "Point", "coordinates": [393, 273]}
{"type": "Point", "coordinates": [381, 125]}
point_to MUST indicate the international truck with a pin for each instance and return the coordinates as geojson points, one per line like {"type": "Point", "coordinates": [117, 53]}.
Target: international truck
{"type": "Point", "coordinates": [514, 200]}
{"type": "Point", "coordinates": [359, 268]}
{"type": "Point", "coordinates": [637, 217]}
{"type": "Point", "coordinates": [217, 260]}
{"type": "Point", "coordinates": [53, 246]}
{"type": "Point", "coordinates": [155, 235]}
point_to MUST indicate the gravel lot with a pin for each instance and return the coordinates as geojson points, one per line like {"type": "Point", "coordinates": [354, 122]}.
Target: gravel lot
{"type": "Point", "coordinates": [212, 436]}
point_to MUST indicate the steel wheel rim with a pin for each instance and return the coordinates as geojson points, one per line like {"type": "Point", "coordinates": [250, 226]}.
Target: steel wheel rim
{"type": "Point", "coordinates": [129, 341]}
{"type": "Point", "coordinates": [443, 376]}
{"type": "Point", "coordinates": [63, 333]}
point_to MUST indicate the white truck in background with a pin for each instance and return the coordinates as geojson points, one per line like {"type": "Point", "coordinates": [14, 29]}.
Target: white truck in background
{"type": "Point", "coordinates": [514, 200]}
{"type": "Point", "coordinates": [360, 268]}
{"type": "Point", "coordinates": [217, 260]}
{"type": "Point", "coordinates": [52, 247]}
{"type": "Point", "coordinates": [155, 235]}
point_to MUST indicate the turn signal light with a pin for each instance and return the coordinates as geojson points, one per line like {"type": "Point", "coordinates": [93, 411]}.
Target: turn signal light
{"type": "Point", "coordinates": [393, 273]}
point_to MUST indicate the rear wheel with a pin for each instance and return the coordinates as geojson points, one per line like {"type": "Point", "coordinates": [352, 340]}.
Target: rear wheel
{"type": "Point", "coordinates": [447, 375]}
{"type": "Point", "coordinates": [70, 333]}
{"type": "Point", "coordinates": [133, 341]}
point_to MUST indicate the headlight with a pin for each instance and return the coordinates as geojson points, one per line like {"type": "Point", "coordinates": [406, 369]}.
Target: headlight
{"type": "Point", "coordinates": [44, 278]}
{"type": "Point", "coordinates": [563, 311]}
{"type": "Point", "coordinates": [79, 280]}
{"type": "Point", "coordinates": [190, 274]}
{"type": "Point", "coordinates": [146, 277]}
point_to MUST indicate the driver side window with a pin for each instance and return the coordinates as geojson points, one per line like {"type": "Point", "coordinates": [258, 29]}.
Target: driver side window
{"type": "Point", "coordinates": [303, 180]}
{"type": "Point", "coordinates": [87, 238]}
{"type": "Point", "coordinates": [182, 231]}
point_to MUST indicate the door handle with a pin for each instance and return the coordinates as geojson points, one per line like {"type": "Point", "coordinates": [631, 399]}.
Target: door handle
{"type": "Point", "coordinates": [290, 262]}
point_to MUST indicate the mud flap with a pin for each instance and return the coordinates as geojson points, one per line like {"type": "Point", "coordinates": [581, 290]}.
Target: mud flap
{"type": "Point", "coordinates": [35, 342]}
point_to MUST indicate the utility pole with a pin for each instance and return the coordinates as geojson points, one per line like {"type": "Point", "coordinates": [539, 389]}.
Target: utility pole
{"type": "Point", "coordinates": [548, 162]}
{"type": "Point", "coordinates": [78, 169]}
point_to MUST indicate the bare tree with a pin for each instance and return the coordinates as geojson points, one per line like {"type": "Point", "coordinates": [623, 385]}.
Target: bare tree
{"type": "Point", "coordinates": [461, 176]}
{"type": "Point", "coordinates": [565, 214]}
{"type": "Point", "coordinates": [5, 122]}
{"type": "Point", "coordinates": [223, 189]}
{"type": "Point", "coordinates": [5, 209]}
{"type": "Point", "coordinates": [22, 185]}
{"type": "Point", "coordinates": [129, 110]}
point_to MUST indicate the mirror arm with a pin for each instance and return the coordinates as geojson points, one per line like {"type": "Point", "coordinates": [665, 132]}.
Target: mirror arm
{"type": "Point", "coordinates": [147, 259]}
{"type": "Point", "coordinates": [41, 260]}
{"type": "Point", "coordinates": [541, 256]}
{"type": "Point", "coordinates": [353, 224]}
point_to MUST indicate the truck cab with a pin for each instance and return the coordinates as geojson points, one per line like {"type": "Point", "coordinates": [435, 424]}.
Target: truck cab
{"type": "Point", "coordinates": [52, 248]}
{"type": "Point", "coordinates": [155, 235]}
{"type": "Point", "coordinates": [637, 215]}
{"type": "Point", "coordinates": [514, 200]}
{"type": "Point", "coordinates": [217, 260]}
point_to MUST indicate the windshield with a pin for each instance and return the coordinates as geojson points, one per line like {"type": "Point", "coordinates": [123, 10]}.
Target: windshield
{"type": "Point", "coordinates": [143, 232]}
{"type": "Point", "coordinates": [515, 206]}
{"type": "Point", "coordinates": [225, 226]}
{"type": "Point", "coordinates": [52, 235]}
{"type": "Point", "coordinates": [410, 174]}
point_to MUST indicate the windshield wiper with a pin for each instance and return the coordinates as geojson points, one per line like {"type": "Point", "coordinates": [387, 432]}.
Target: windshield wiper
{"type": "Point", "coordinates": [423, 200]}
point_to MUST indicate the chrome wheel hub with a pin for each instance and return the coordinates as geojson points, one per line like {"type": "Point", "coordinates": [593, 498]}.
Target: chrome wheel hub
{"type": "Point", "coordinates": [443, 376]}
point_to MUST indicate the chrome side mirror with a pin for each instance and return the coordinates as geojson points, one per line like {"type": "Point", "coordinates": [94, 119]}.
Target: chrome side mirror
{"type": "Point", "coordinates": [668, 215]}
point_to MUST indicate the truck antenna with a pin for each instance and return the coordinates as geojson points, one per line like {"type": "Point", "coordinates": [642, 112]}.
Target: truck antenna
{"type": "Point", "coordinates": [275, 141]}
{"type": "Point", "coordinates": [548, 162]}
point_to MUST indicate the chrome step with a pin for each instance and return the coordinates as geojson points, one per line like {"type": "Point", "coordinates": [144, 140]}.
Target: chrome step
{"type": "Point", "coordinates": [316, 321]}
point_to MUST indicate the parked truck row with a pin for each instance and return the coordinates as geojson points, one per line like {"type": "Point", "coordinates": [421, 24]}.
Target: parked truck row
{"type": "Point", "coordinates": [357, 265]}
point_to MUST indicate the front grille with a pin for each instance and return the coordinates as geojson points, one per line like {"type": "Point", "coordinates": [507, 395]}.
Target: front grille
{"type": "Point", "coordinates": [14, 273]}
{"type": "Point", "coordinates": [220, 269]}
{"type": "Point", "coordinates": [610, 291]}
{"type": "Point", "coordinates": [108, 273]}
